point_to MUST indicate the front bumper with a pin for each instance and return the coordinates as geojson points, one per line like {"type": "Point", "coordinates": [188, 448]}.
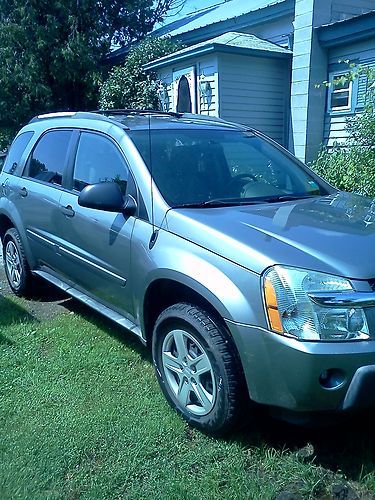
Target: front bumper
{"type": "Point", "coordinates": [305, 376]}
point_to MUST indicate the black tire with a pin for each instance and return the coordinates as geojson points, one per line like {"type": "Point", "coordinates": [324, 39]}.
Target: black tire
{"type": "Point", "coordinates": [210, 400]}
{"type": "Point", "coordinates": [17, 269]}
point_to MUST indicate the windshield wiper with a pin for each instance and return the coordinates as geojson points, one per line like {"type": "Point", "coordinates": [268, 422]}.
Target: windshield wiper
{"type": "Point", "coordinates": [286, 197]}
{"type": "Point", "coordinates": [231, 202]}
{"type": "Point", "coordinates": [219, 202]}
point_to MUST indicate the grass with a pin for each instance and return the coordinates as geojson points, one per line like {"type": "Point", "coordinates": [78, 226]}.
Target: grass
{"type": "Point", "coordinates": [81, 416]}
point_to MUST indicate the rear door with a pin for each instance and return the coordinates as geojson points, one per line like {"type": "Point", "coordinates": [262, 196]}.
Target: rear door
{"type": "Point", "coordinates": [39, 191]}
{"type": "Point", "coordinates": [96, 246]}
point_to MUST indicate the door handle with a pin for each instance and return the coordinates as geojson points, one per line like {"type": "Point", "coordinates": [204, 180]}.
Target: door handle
{"type": "Point", "coordinates": [68, 211]}
{"type": "Point", "coordinates": [23, 192]}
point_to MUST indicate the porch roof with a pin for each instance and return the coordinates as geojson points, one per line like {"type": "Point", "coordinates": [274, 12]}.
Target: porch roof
{"type": "Point", "coordinates": [232, 42]}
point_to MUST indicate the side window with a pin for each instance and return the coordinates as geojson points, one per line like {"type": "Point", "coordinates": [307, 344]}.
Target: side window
{"type": "Point", "coordinates": [340, 93]}
{"type": "Point", "coordinates": [16, 151]}
{"type": "Point", "coordinates": [48, 159]}
{"type": "Point", "coordinates": [98, 160]}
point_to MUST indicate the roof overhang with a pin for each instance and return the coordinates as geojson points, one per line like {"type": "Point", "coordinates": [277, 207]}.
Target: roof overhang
{"type": "Point", "coordinates": [209, 49]}
{"type": "Point", "coordinates": [351, 30]}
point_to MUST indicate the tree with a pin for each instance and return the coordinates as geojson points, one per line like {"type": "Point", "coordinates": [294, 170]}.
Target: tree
{"type": "Point", "coordinates": [129, 86]}
{"type": "Point", "coordinates": [51, 50]}
{"type": "Point", "coordinates": [351, 166]}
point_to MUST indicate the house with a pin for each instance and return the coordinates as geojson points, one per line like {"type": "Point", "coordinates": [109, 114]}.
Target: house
{"type": "Point", "coordinates": [260, 63]}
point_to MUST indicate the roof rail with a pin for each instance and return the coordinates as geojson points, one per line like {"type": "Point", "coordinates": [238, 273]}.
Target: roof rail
{"type": "Point", "coordinates": [88, 115]}
{"type": "Point", "coordinates": [138, 112]}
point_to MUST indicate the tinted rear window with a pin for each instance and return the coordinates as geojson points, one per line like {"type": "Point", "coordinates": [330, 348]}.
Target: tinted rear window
{"type": "Point", "coordinates": [16, 150]}
{"type": "Point", "coordinates": [48, 159]}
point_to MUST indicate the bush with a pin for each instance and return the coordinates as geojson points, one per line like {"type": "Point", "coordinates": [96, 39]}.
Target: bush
{"type": "Point", "coordinates": [350, 169]}
{"type": "Point", "coordinates": [351, 166]}
{"type": "Point", "coordinates": [6, 137]}
{"type": "Point", "coordinates": [129, 86]}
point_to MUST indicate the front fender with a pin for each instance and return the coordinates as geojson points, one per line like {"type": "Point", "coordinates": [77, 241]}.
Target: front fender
{"type": "Point", "coordinates": [231, 289]}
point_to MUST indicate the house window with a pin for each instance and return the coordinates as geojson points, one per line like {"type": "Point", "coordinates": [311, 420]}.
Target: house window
{"type": "Point", "coordinates": [184, 90]}
{"type": "Point", "coordinates": [183, 96]}
{"type": "Point", "coordinates": [340, 93]}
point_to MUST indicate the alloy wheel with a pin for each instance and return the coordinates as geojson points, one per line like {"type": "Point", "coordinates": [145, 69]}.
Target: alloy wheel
{"type": "Point", "coordinates": [189, 372]}
{"type": "Point", "coordinates": [13, 264]}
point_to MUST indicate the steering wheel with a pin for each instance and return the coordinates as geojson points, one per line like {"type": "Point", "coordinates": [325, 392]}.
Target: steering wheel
{"type": "Point", "coordinates": [241, 180]}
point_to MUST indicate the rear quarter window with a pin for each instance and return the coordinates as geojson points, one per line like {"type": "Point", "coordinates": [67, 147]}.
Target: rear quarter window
{"type": "Point", "coordinates": [16, 151]}
{"type": "Point", "coordinates": [48, 159]}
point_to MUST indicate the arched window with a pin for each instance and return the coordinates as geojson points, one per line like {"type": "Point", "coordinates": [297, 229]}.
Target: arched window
{"type": "Point", "coordinates": [183, 96]}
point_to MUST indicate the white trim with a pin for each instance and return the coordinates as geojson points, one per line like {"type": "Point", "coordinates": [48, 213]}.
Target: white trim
{"type": "Point", "coordinates": [190, 74]}
{"type": "Point", "coordinates": [332, 91]}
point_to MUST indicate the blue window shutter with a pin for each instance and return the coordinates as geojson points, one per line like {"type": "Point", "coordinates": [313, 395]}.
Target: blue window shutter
{"type": "Point", "coordinates": [361, 91]}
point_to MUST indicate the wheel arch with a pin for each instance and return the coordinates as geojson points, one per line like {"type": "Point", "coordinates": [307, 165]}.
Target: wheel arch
{"type": "Point", "coordinates": [9, 217]}
{"type": "Point", "coordinates": [164, 292]}
{"type": "Point", "coordinates": [5, 224]}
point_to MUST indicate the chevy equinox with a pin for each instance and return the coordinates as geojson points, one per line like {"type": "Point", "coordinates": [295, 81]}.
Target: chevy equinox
{"type": "Point", "coordinates": [247, 273]}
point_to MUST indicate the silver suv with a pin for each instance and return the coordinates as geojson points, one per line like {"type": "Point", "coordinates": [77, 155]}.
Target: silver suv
{"type": "Point", "coordinates": [246, 273]}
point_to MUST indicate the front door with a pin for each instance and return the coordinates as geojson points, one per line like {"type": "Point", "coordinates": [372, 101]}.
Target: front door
{"type": "Point", "coordinates": [96, 246]}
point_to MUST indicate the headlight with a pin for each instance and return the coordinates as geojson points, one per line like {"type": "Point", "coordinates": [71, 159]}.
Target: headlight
{"type": "Point", "coordinates": [291, 312]}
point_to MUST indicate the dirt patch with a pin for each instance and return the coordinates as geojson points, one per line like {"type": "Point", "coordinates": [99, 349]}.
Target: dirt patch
{"type": "Point", "coordinates": [47, 302]}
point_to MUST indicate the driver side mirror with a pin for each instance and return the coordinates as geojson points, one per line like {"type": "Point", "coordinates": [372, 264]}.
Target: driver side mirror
{"type": "Point", "coordinates": [107, 196]}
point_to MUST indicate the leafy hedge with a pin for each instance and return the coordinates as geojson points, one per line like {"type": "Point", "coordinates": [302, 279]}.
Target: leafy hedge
{"type": "Point", "coordinates": [348, 169]}
{"type": "Point", "coordinates": [129, 86]}
{"type": "Point", "coordinates": [351, 166]}
{"type": "Point", "coordinates": [6, 137]}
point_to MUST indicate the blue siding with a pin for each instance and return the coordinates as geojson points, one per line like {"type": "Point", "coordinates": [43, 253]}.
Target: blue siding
{"type": "Point", "coordinates": [277, 32]}
{"type": "Point", "coordinates": [254, 91]}
{"type": "Point", "coordinates": [343, 9]}
{"type": "Point", "coordinates": [361, 53]}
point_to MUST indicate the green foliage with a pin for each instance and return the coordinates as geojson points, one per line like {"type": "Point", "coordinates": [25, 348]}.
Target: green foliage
{"type": "Point", "coordinates": [50, 51]}
{"type": "Point", "coordinates": [351, 166]}
{"type": "Point", "coordinates": [6, 137]}
{"type": "Point", "coordinates": [129, 86]}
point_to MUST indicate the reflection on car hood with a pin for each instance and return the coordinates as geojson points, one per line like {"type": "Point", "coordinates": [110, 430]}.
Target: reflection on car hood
{"type": "Point", "coordinates": [335, 233]}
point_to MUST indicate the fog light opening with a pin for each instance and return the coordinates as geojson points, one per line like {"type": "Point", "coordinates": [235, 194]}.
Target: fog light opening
{"type": "Point", "coordinates": [331, 378]}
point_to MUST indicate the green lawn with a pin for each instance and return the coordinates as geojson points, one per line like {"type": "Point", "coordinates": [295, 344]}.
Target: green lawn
{"type": "Point", "coordinates": [81, 416]}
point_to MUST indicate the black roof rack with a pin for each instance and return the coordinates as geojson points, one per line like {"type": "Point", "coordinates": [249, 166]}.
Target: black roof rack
{"type": "Point", "coordinates": [137, 112]}
{"type": "Point", "coordinates": [88, 115]}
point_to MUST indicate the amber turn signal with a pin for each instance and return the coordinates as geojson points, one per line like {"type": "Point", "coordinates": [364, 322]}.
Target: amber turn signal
{"type": "Point", "coordinates": [271, 306]}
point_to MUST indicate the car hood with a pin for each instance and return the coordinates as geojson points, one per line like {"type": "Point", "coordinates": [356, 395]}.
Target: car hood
{"type": "Point", "coordinates": [334, 234]}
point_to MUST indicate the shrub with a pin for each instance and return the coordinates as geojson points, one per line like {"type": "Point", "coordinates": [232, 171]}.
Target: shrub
{"type": "Point", "coordinates": [129, 86]}
{"type": "Point", "coordinates": [351, 166]}
{"type": "Point", "coordinates": [6, 137]}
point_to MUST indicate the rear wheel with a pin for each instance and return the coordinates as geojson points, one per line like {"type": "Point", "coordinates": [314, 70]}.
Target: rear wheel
{"type": "Point", "coordinates": [16, 267]}
{"type": "Point", "coordinates": [197, 367]}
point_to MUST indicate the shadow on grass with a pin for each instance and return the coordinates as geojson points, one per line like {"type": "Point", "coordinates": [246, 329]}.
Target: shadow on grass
{"type": "Point", "coordinates": [5, 341]}
{"type": "Point", "coordinates": [11, 313]}
{"type": "Point", "coordinates": [346, 445]}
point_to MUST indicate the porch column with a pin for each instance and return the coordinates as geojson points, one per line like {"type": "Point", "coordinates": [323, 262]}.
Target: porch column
{"type": "Point", "coordinates": [309, 68]}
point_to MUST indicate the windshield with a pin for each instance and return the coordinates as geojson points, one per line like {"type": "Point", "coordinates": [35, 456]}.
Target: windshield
{"type": "Point", "coordinates": [207, 167]}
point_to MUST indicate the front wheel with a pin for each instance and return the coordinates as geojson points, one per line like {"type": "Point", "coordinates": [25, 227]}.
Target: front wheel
{"type": "Point", "coordinates": [197, 368]}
